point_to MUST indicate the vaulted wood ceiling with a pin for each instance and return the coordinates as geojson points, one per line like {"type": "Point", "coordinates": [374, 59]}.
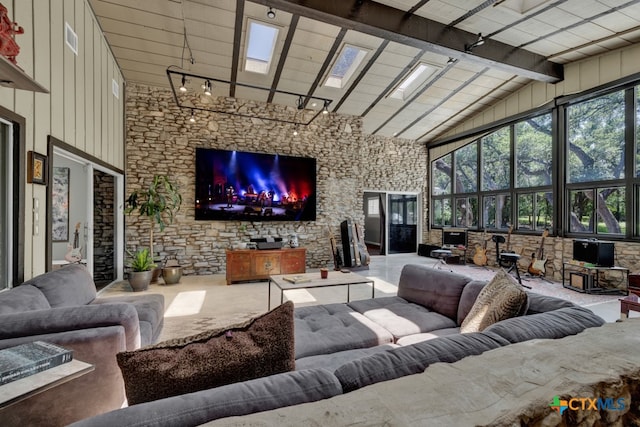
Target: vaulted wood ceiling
{"type": "Point", "coordinates": [525, 40]}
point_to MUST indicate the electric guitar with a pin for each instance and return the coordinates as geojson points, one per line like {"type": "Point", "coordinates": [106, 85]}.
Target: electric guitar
{"type": "Point", "coordinates": [74, 253]}
{"type": "Point", "coordinates": [480, 257]}
{"type": "Point", "coordinates": [337, 261]}
{"type": "Point", "coordinates": [537, 266]}
{"type": "Point", "coordinates": [508, 250]}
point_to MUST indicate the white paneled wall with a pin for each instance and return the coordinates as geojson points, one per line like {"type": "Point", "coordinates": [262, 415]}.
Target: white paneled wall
{"type": "Point", "coordinates": [578, 77]}
{"type": "Point", "coordinates": [80, 109]}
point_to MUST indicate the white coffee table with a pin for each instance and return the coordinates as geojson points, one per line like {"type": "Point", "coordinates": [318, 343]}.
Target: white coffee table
{"type": "Point", "coordinates": [313, 280]}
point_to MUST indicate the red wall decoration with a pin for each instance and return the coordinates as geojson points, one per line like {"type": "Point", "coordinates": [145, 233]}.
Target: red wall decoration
{"type": "Point", "coordinates": [8, 29]}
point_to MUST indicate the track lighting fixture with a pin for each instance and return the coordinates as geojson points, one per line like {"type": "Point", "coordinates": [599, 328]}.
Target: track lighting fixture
{"type": "Point", "coordinates": [475, 44]}
{"type": "Point", "coordinates": [207, 88]}
{"type": "Point", "coordinates": [451, 61]}
{"type": "Point", "coordinates": [189, 99]}
{"type": "Point", "coordinates": [295, 131]}
{"type": "Point", "coordinates": [271, 14]}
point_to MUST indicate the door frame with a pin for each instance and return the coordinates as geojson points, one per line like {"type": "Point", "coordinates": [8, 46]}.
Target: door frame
{"type": "Point", "coordinates": [419, 217]}
{"type": "Point", "coordinates": [59, 148]}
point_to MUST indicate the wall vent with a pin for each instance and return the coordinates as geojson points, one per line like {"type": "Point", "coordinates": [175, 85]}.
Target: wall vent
{"type": "Point", "coordinates": [115, 88]}
{"type": "Point", "coordinates": [71, 38]}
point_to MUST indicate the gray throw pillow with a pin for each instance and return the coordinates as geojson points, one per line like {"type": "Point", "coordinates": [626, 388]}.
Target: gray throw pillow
{"type": "Point", "coordinates": [257, 348]}
{"type": "Point", "coordinates": [502, 298]}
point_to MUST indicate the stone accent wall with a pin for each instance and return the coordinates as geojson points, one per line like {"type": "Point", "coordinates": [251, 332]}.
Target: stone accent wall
{"type": "Point", "coordinates": [104, 223]}
{"type": "Point", "coordinates": [161, 140]}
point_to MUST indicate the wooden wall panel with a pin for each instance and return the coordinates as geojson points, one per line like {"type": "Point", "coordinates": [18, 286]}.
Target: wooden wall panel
{"type": "Point", "coordinates": [89, 80]}
{"type": "Point", "coordinates": [57, 80]}
{"type": "Point", "coordinates": [42, 126]}
{"type": "Point", "coordinates": [80, 109]}
{"type": "Point", "coordinates": [579, 76]}
{"type": "Point", "coordinates": [97, 93]}
{"type": "Point", "coordinates": [69, 70]}
{"type": "Point", "coordinates": [75, 110]}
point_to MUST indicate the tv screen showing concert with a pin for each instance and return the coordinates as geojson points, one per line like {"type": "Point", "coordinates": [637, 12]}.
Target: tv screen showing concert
{"type": "Point", "coordinates": [237, 185]}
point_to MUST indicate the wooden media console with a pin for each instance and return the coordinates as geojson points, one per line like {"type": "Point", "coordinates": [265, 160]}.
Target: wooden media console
{"type": "Point", "coordinates": [252, 264]}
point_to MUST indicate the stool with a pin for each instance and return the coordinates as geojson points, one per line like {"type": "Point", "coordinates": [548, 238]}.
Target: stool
{"type": "Point", "coordinates": [442, 255]}
{"type": "Point", "coordinates": [511, 260]}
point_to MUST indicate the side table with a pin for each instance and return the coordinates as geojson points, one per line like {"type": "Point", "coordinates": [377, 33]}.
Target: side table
{"type": "Point", "coordinates": [628, 303]}
{"type": "Point", "coordinates": [19, 390]}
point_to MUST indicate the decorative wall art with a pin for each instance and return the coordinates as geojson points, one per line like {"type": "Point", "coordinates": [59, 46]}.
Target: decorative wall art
{"type": "Point", "coordinates": [37, 168]}
{"type": "Point", "coordinates": [60, 204]}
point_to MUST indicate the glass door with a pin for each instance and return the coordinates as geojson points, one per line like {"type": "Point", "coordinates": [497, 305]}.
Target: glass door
{"type": "Point", "coordinates": [403, 223]}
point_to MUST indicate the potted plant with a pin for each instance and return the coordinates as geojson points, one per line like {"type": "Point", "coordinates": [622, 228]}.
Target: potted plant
{"type": "Point", "coordinates": [142, 266]}
{"type": "Point", "coordinates": [159, 202]}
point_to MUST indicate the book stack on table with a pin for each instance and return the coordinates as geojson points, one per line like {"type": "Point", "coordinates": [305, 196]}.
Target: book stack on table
{"type": "Point", "coordinates": [27, 359]}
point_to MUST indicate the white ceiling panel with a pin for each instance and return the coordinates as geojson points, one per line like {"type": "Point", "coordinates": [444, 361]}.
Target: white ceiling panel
{"type": "Point", "coordinates": [148, 36]}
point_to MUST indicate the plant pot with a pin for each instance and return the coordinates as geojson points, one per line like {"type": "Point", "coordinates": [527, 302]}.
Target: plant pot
{"type": "Point", "coordinates": [156, 273]}
{"type": "Point", "coordinates": [171, 275]}
{"type": "Point", "coordinates": [139, 280]}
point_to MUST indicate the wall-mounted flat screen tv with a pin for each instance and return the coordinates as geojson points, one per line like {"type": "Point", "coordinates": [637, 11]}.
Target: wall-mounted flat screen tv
{"type": "Point", "coordinates": [238, 185]}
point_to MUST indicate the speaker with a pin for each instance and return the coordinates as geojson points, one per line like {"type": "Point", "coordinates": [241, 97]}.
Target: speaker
{"type": "Point", "coordinates": [594, 252]}
{"type": "Point", "coordinates": [347, 238]}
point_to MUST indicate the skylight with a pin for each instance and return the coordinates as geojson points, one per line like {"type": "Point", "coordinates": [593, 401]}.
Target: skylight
{"type": "Point", "coordinates": [413, 81]}
{"type": "Point", "coordinates": [521, 6]}
{"type": "Point", "coordinates": [261, 43]}
{"type": "Point", "coordinates": [348, 61]}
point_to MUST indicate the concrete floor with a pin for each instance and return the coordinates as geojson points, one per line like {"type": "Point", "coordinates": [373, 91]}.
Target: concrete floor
{"type": "Point", "coordinates": [209, 296]}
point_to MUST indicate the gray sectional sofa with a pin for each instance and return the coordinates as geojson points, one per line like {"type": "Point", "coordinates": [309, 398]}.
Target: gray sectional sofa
{"type": "Point", "coordinates": [62, 307]}
{"type": "Point", "coordinates": [343, 347]}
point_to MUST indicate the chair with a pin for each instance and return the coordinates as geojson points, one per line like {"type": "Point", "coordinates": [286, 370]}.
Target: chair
{"type": "Point", "coordinates": [507, 260]}
{"type": "Point", "coordinates": [442, 255]}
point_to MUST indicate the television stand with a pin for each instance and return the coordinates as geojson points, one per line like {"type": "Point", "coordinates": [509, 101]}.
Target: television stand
{"type": "Point", "coordinates": [251, 265]}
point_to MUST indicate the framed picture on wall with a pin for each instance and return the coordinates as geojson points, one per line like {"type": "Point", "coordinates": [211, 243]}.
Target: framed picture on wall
{"type": "Point", "coordinates": [60, 204]}
{"type": "Point", "coordinates": [37, 168]}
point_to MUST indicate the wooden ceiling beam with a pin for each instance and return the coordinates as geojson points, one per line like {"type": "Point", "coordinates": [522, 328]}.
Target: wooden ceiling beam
{"type": "Point", "coordinates": [395, 25]}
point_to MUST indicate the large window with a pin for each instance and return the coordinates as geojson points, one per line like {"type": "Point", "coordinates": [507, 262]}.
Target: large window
{"type": "Point", "coordinates": [524, 148]}
{"type": "Point", "coordinates": [596, 165]}
{"type": "Point", "coordinates": [496, 164]}
{"type": "Point", "coordinates": [589, 147]}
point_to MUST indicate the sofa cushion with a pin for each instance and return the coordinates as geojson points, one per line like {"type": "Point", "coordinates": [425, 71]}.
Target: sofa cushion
{"type": "Point", "coordinates": [22, 298]}
{"type": "Point", "coordinates": [436, 290]}
{"type": "Point", "coordinates": [401, 317]}
{"type": "Point", "coordinates": [539, 303]}
{"type": "Point", "coordinates": [259, 347]}
{"type": "Point", "coordinates": [468, 298]}
{"type": "Point", "coordinates": [333, 361]}
{"type": "Point", "coordinates": [416, 338]}
{"type": "Point", "coordinates": [150, 313]}
{"type": "Point", "coordinates": [322, 329]}
{"type": "Point", "coordinates": [262, 394]}
{"type": "Point", "coordinates": [66, 287]}
{"type": "Point", "coordinates": [550, 325]}
{"type": "Point", "coordinates": [500, 299]}
{"type": "Point", "coordinates": [413, 359]}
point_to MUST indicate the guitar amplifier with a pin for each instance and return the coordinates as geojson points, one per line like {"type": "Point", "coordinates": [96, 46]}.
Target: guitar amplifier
{"type": "Point", "coordinates": [347, 238]}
